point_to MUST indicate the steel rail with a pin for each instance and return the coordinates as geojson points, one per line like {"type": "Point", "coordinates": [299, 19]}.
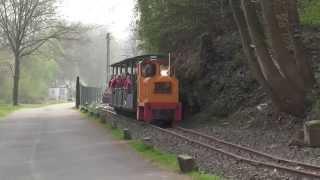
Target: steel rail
{"type": "Point", "coordinates": [252, 151]}
{"type": "Point", "coordinates": [239, 158]}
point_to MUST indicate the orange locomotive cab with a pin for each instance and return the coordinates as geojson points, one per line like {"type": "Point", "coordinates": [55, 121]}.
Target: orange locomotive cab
{"type": "Point", "coordinates": [157, 92]}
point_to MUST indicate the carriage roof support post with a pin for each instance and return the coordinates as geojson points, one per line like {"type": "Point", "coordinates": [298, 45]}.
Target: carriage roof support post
{"type": "Point", "coordinates": [127, 68]}
{"type": "Point", "coordinates": [131, 65]}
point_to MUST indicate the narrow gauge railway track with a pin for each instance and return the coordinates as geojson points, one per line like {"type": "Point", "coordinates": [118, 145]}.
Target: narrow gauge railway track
{"type": "Point", "coordinates": [241, 153]}
{"type": "Point", "coordinates": [244, 154]}
{"type": "Point", "coordinates": [251, 153]}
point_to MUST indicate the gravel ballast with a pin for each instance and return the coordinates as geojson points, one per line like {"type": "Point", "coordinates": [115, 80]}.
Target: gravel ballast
{"type": "Point", "coordinates": [206, 159]}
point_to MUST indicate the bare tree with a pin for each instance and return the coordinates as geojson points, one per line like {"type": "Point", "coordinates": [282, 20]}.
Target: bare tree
{"type": "Point", "coordinates": [274, 51]}
{"type": "Point", "coordinates": [26, 26]}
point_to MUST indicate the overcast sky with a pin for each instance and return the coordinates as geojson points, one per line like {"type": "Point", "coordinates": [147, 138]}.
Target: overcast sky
{"type": "Point", "coordinates": [116, 14]}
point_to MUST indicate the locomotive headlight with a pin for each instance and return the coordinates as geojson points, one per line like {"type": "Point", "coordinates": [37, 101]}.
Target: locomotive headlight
{"type": "Point", "coordinates": [162, 87]}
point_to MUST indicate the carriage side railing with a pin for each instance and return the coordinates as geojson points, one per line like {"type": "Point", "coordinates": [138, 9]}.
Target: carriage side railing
{"type": "Point", "coordinates": [86, 95]}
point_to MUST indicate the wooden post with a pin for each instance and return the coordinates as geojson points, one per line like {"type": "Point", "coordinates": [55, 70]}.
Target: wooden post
{"type": "Point", "coordinates": [148, 142]}
{"type": "Point", "coordinates": [186, 163]}
{"type": "Point", "coordinates": [114, 124]}
{"type": "Point", "coordinates": [126, 134]}
{"type": "Point", "coordinates": [312, 133]}
{"type": "Point", "coordinates": [78, 93]}
{"type": "Point", "coordinates": [102, 118]}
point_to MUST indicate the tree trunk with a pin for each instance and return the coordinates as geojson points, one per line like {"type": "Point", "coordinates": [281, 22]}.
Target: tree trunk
{"type": "Point", "coordinates": [288, 98]}
{"type": "Point", "coordinates": [281, 55]}
{"type": "Point", "coordinates": [246, 41]}
{"type": "Point", "coordinates": [296, 34]}
{"type": "Point", "coordinates": [248, 50]}
{"type": "Point", "coordinates": [16, 78]}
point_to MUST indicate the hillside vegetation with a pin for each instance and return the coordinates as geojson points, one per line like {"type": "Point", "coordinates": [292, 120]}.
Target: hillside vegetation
{"type": "Point", "coordinates": [204, 40]}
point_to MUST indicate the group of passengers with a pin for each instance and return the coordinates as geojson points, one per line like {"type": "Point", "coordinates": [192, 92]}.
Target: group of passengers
{"type": "Point", "coordinates": [121, 81]}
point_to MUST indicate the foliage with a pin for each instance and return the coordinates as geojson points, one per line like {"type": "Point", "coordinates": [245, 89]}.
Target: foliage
{"type": "Point", "coordinates": [26, 26]}
{"type": "Point", "coordinates": [37, 75]}
{"type": "Point", "coordinates": [164, 25]}
{"type": "Point", "coordinates": [310, 12]}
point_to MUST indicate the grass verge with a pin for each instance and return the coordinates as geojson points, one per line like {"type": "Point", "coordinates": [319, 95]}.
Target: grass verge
{"type": "Point", "coordinates": [162, 159]}
{"type": "Point", "coordinates": [6, 109]}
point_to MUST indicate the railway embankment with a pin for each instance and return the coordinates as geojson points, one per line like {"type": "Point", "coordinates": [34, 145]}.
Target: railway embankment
{"type": "Point", "coordinates": [211, 158]}
{"type": "Point", "coordinates": [141, 139]}
{"type": "Point", "coordinates": [228, 104]}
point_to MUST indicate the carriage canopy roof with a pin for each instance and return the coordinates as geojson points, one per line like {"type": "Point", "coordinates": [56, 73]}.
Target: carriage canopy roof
{"type": "Point", "coordinates": [137, 59]}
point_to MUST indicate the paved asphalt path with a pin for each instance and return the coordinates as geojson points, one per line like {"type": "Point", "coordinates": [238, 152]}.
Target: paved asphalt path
{"type": "Point", "coordinates": [58, 143]}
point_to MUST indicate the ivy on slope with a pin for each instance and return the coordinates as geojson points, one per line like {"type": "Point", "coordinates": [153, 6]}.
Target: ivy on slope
{"type": "Point", "coordinates": [164, 25]}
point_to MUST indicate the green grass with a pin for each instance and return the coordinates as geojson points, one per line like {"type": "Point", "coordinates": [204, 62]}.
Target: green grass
{"type": "Point", "coordinates": [203, 176]}
{"type": "Point", "coordinates": [161, 159]}
{"type": "Point", "coordinates": [165, 160]}
{"type": "Point", "coordinates": [6, 109]}
{"type": "Point", "coordinates": [116, 133]}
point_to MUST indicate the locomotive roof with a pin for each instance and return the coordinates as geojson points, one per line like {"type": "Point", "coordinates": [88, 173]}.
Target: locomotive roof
{"type": "Point", "coordinates": [135, 60]}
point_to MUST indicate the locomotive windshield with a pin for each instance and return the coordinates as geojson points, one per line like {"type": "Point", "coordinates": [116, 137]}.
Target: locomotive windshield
{"type": "Point", "coordinates": [148, 69]}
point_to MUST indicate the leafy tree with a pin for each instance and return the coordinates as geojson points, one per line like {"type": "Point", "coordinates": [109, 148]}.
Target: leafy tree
{"type": "Point", "coordinates": [27, 25]}
{"type": "Point", "coordinates": [38, 71]}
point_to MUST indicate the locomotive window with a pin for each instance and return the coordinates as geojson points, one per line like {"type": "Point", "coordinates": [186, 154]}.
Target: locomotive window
{"type": "Point", "coordinates": [162, 87]}
{"type": "Point", "coordinates": [148, 70]}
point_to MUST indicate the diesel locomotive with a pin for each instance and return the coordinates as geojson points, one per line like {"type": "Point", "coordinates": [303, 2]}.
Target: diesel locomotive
{"type": "Point", "coordinates": [146, 85]}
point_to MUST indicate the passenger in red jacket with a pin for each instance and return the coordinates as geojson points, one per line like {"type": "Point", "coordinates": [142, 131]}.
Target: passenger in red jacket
{"type": "Point", "coordinates": [112, 82]}
{"type": "Point", "coordinates": [118, 82]}
{"type": "Point", "coordinates": [122, 79]}
{"type": "Point", "coordinates": [128, 84]}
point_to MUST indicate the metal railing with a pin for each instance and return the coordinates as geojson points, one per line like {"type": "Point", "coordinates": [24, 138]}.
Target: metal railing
{"type": "Point", "coordinates": [86, 95]}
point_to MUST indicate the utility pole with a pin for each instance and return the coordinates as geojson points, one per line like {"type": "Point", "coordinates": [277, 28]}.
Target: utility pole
{"type": "Point", "coordinates": [108, 38]}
